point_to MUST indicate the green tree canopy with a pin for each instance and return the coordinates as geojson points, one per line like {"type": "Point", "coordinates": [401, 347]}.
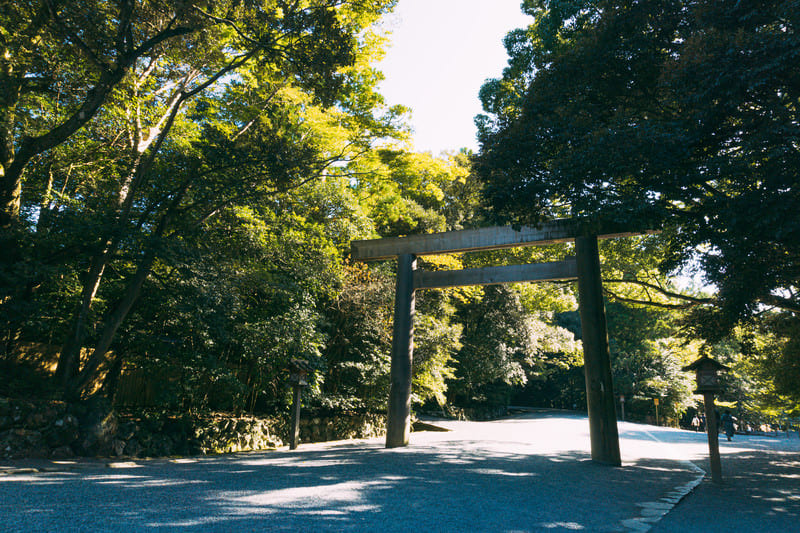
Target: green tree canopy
{"type": "Point", "coordinates": [682, 114]}
{"type": "Point", "coordinates": [139, 124]}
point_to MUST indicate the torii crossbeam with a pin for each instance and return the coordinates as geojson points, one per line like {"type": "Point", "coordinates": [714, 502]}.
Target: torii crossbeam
{"type": "Point", "coordinates": [585, 268]}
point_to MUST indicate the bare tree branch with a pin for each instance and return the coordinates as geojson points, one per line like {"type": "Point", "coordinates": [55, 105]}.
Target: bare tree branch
{"type": "Point", "coordinates": [786, 304]}
{"type": "Point", "coordinates": [652, 303]}
{"type": "Point", "coordinates": [693, 300]}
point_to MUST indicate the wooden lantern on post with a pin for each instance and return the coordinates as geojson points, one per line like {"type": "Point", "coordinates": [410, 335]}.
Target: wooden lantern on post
{"type": "Point", "coordinates": [707, 374]}
{"type": "Point", "coordinates": [299, 370]}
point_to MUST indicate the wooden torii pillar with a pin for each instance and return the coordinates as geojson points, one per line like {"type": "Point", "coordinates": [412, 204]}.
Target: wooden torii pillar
{"type": "Point", "coordinates": [585, 268]}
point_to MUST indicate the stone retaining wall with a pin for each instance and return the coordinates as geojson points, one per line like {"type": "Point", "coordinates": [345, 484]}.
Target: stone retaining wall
{"type": "Point", "coordinates": [59, 430]}
{"type": "Point", "coordinates": [339, 427]}
{"type": "Point", "coordinates": [36, 430]}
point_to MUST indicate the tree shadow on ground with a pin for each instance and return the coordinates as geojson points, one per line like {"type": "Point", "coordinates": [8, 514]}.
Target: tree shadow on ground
{"type": "Point", "coordinates": [759, 492]}
{"type": "Point", "coordinates": [445, 486]}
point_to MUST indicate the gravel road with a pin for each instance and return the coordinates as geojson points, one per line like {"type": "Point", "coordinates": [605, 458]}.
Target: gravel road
{"type": "Point", "coordinates": [526, 473]}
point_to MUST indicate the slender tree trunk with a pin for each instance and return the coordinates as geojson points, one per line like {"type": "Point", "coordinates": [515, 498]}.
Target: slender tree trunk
{"type": "Point", "coordinates": [111, 382]}
{"type": "Point", "coordinates": [10, 196]}
{"type": "Point", "coordinates": [30, 147]}
{"type": "Point", "coordinates": [76, 385]}
{"type": "Point", "coordinates": [10, 184]}
{"type": "Point", "coordinates": [45, 205]}
{"type": "Point", "coordinates": [69, 359]}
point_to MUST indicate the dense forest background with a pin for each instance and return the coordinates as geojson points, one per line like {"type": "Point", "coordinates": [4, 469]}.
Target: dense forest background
{"type": "Point", "coordinates": [181, 181]}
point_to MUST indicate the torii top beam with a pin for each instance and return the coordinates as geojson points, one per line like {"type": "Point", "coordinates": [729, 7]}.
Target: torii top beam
{"type": "Point", "coordinates": [493, 238]}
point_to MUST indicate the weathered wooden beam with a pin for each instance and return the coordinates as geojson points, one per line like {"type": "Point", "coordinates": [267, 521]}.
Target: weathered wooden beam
{"type": "Point", "coordinates": [494, 238]}
{"type": "Point", "coordinates": [398, 421]}
{"type": "Point", "coordinates": [603, 431]}
{"type": "Point", "coordinates": [559, 270]}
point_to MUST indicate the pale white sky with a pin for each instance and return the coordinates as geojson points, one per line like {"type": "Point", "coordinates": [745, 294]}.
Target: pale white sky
{"type": "Point", "coordinates": [441, 53]}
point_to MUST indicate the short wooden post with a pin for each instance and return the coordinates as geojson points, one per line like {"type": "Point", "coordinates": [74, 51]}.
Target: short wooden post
{"type": "Point", "coordinates": [655, 402]}
{"type": "Point", "coordinates": [398, 422]}
{"type": "Point", "coordinates": [294, 437]}
{"type": "Point", "coordinates": [713, 437]}
{"type": "Point", "coordinates": [597, 362]}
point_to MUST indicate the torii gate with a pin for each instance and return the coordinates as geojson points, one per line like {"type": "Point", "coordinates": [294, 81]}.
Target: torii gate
{"type": "Point", "coordinates": [585, 267]}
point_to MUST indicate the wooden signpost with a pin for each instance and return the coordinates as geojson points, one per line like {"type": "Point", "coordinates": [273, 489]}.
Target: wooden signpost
{"type": "Point", "coordinates": [585, 268]}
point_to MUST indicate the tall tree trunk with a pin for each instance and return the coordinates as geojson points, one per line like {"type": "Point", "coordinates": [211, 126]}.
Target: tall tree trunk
{"type": "Point", "coordinates": [111, 382]}
{"type": "Point", "coordinates": [69, 359]}
{"type": "Point", "coordinates": [10, 185]}
{"type": "Point", "coordinates": [30, 147]}
{"type": "Point", "coordinates": [10, 197]}
{"type": "Point", "coordinates": [75, 386]}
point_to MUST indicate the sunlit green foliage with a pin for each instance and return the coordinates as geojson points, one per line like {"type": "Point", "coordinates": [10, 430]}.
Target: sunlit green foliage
{"type": "Point", "coordinates": [675, 115]}
{"type": "Point", "coordinates": [181, 183]}
{"type": "Point", "coordinates": [505, 345]}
